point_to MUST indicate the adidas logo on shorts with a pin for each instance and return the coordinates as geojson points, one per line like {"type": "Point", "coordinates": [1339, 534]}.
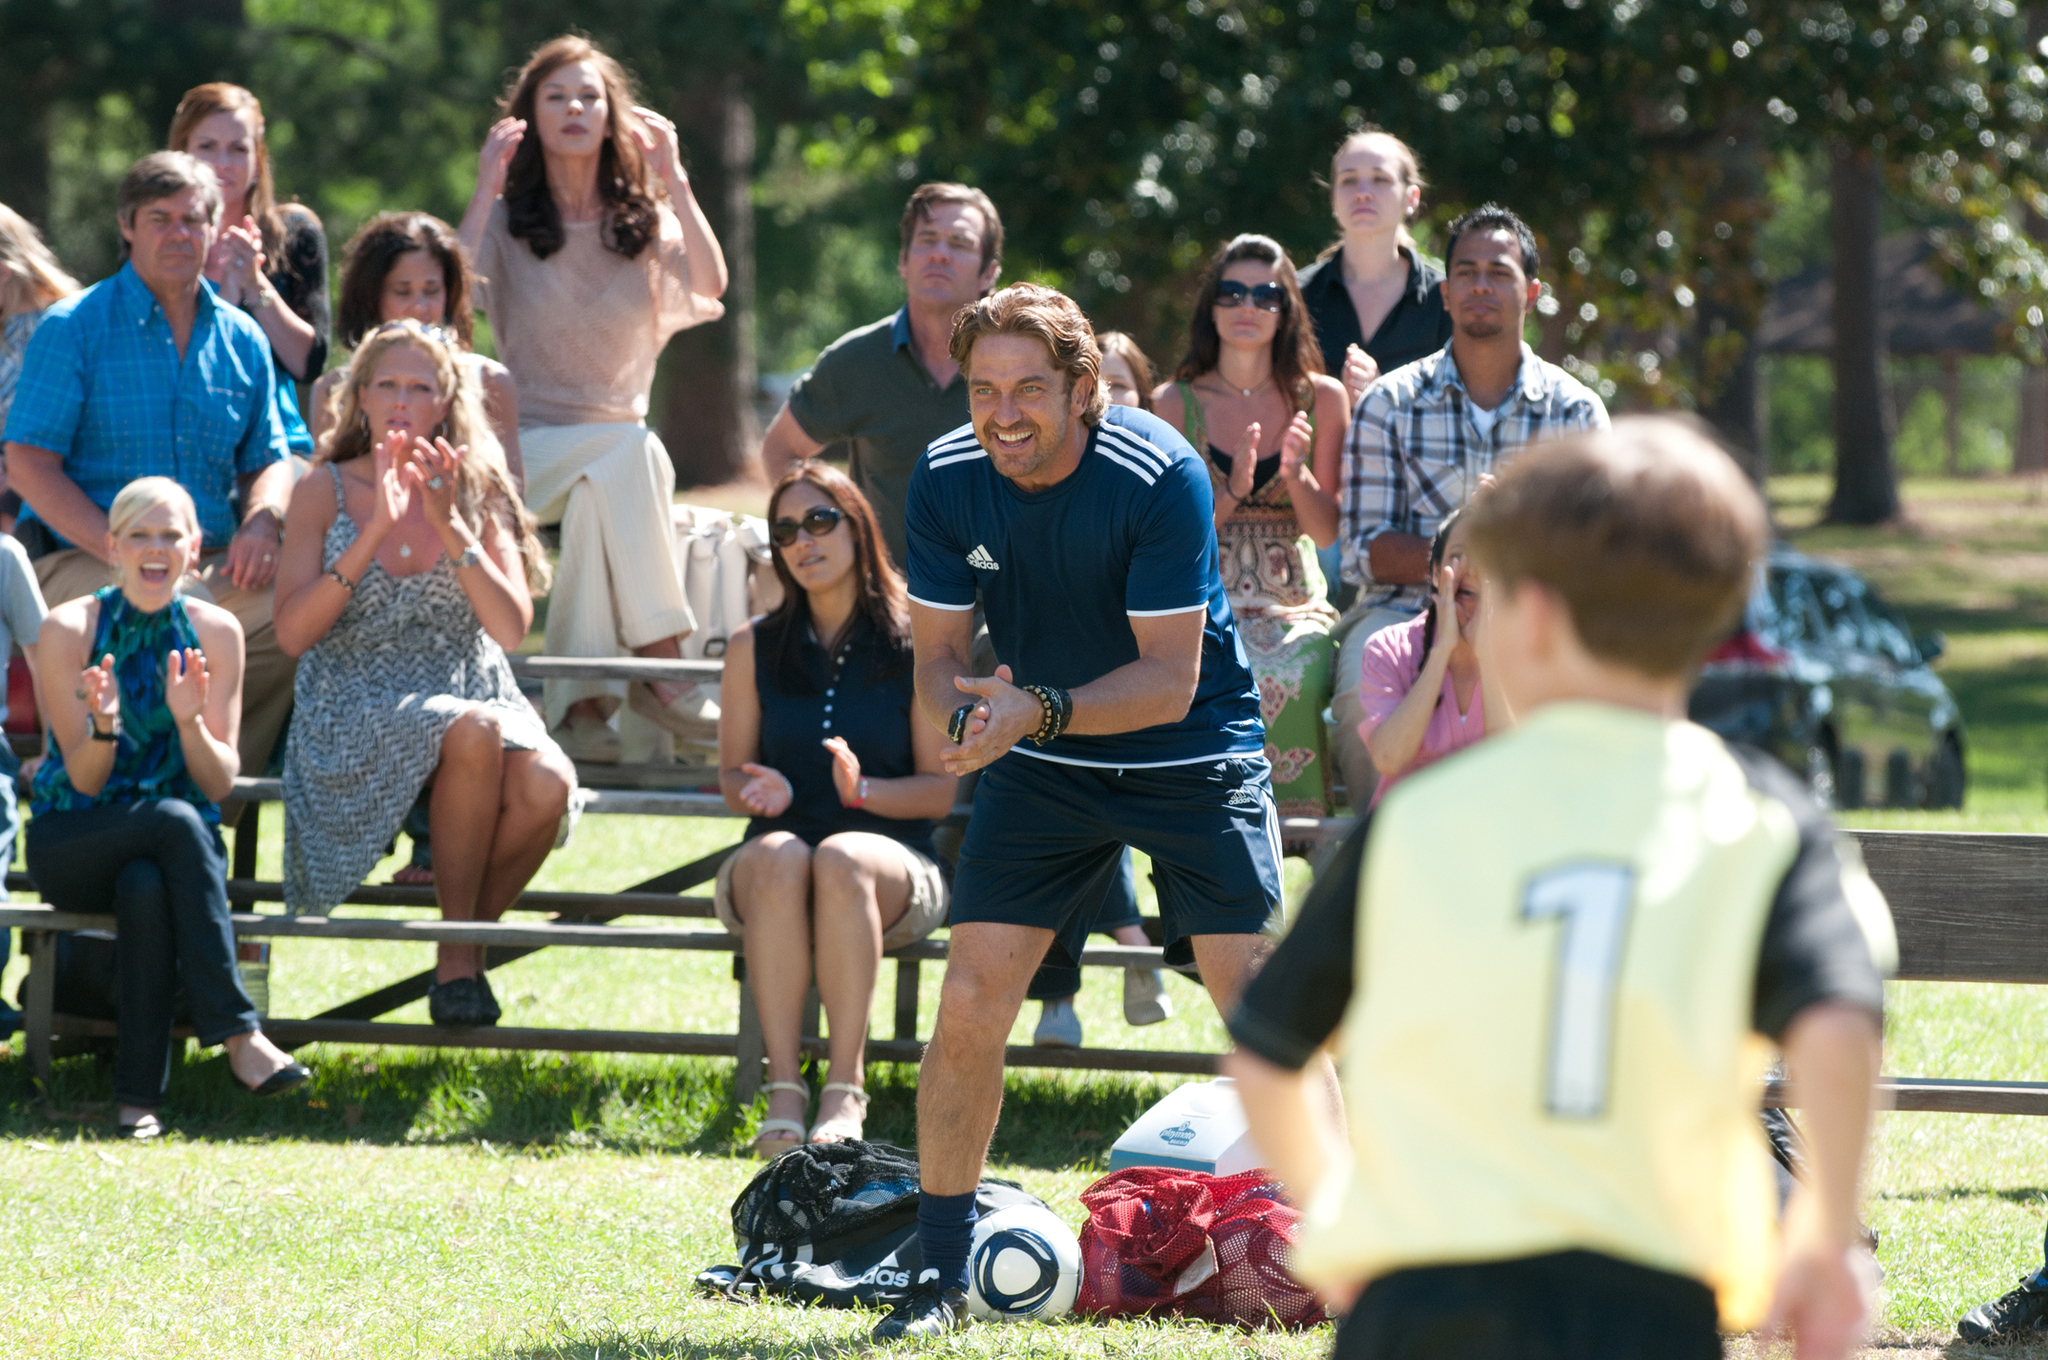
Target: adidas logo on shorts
{"type": "Point", "coordinates": [980, 560]}
{"type": "Point", "coordinates": [1244, 798]}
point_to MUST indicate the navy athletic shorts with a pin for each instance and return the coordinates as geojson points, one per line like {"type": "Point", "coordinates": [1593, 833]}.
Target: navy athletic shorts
{"type": "Point", "coordinates": [1047, 839]}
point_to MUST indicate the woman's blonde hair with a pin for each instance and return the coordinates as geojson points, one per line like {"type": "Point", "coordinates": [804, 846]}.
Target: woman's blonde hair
{"type": "Point", "coordinates": [34, 278]}
{"type": "Point", "coordinates": [145, 494]}
{"type": "Point", "coordinates": [1411, 177]}
{"type": "Point", "coordinates": [483, 485]}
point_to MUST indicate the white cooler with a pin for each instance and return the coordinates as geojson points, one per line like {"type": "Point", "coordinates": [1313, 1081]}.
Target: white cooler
{"type": "Point", "coordinates": [1197, 1127]}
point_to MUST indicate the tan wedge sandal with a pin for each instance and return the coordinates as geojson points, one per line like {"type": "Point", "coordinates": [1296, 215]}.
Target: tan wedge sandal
{"type": "Point", "coordinates": [777, 1136]}
{"type": "Point", "coordinates": [843, 1127]}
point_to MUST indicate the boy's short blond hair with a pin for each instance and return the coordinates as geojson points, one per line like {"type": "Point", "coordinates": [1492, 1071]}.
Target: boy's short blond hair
{"type": "Point", "coordinates": [1648, 531]}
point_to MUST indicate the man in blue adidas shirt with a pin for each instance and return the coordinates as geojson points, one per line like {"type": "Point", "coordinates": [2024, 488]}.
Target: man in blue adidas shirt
{"type": "Point", "coordinates": [1125, 716]}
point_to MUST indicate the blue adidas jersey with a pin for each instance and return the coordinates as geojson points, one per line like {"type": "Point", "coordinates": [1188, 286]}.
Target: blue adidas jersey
{"type": "Point", "coordinates": [1131, 533]}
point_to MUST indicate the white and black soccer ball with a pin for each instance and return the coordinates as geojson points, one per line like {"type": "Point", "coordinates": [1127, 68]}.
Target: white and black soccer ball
{"type": "Point", "coordinates": [1024, 1266]}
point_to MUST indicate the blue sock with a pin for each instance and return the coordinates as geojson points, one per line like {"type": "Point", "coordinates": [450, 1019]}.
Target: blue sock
{"type": "Point", "coordinates": [945, 1230]}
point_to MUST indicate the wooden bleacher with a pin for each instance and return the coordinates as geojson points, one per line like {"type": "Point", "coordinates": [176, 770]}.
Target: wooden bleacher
{"type": "Point", "coordinates": [1969, 908]}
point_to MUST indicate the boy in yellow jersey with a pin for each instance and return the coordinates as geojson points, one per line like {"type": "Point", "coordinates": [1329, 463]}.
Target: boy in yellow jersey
{"type": "Point", "coordinates": [1554, 965]}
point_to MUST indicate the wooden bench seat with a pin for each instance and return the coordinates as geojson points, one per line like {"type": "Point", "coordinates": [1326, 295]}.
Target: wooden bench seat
{"type": "Point", "coordinates": [1969, 908]}
{"type": "Point", "coordinates": [39, 924]}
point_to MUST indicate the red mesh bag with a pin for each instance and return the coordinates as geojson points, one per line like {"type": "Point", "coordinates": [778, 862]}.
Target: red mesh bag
{"type": "Point", "coordinates": [1189, 1244]}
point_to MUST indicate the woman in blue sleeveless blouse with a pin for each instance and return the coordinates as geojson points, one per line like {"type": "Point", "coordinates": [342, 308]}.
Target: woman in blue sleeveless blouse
{"type": "Point", "coordinates": [143, 690]}
{"type": "Point", "coordinates": [819, 740]}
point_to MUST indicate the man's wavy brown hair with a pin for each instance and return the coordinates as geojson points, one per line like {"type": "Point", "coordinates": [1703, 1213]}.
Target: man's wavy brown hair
{"type": "Point", "coordinates": [1047, 316]}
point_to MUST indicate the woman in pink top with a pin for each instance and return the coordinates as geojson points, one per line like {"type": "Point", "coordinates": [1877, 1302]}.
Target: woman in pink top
{"type": "Point", "coordinates": [1421, 690]}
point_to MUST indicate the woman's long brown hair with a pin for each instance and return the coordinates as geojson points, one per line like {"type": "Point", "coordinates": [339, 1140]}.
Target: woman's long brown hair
{"type": "Point", "coordinates": [884, 600]}
{"type": "Point", "coordinates": [1296, 356]}
{"type": "Point", "coordinates": [200, 103]}
{"type": "Point", "coordinates": [631, 217]}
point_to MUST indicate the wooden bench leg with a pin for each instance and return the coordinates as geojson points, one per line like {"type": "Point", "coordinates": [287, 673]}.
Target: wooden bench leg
{"type": "Point", "coordinates": [246, 828]}
{"type": "Point", "coordinates": [39, 1004]}
{"type": "Point", "coordinates": [753, 1049]}
{"type": "Point", "coordinates": [907, 975]}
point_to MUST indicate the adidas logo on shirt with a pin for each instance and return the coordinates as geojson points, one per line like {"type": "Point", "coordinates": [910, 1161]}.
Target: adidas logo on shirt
{"type": "Point", "coordinates": [981, 561]}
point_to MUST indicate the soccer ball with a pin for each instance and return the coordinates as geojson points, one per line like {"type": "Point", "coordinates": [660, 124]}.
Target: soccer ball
{"type": "Point", "coordinates": [1024, 1266]}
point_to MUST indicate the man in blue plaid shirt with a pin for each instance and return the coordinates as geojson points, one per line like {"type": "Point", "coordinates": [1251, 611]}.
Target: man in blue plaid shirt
{"type": "Point", "coordinates": [1425, 434]}
{"type": "Point", "coordinates": [147, 373]}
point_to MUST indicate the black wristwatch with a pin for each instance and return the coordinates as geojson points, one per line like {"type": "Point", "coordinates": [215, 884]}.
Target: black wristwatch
{"type": "Point", "coordinates": [111, 734]}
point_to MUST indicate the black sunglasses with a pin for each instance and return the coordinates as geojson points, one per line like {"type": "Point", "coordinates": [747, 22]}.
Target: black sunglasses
{"type": "Point", "coordinates": [1267, 297]}
{"type": "Point", "coordinates": [818, 521]}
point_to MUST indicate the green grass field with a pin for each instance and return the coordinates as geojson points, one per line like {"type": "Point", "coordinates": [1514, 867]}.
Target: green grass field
{"type": "Point", "coordinates": [415, 1203]}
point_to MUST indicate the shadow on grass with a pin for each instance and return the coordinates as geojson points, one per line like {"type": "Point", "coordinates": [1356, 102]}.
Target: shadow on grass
{"type": "Point", "coordinates": [2032, 1195]}
{"type": "Point", "coordinates": [766, 1345]}
{"type": "Point", "coordinates": [632, 1104]}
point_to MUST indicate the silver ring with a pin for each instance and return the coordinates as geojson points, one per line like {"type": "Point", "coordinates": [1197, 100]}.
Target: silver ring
{"type": "Point", "coordinates": [434, 483]}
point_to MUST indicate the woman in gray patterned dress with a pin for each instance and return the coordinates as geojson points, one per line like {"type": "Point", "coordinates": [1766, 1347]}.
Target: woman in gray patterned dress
{"type": "Point", "coordinates": [409, 566]}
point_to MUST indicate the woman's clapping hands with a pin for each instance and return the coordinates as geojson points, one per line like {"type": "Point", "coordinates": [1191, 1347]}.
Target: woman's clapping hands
{"type": "Point", "coordinates": [845, 770]}
{"type": "Point", "coordinates": [185, 683]}
{"type": "Point", "coordinates": [430, 472]}
{"type": "Point", "coordinates": [1295, 447]}
{"type": "Point", "coordinates": [767, 793]}
{"type": "Point", "coordinates": [99, 689]}
{"type": "Point", "coordinates": [391, 492]}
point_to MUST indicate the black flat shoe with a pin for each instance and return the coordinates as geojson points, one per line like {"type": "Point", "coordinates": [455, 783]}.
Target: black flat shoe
{"type": "Point", "coordinates": [283, 1079]}
{"type": "Point", "coordinates": [461, 1002]}
{"type": "Point", "coordinates": [493, 1012]}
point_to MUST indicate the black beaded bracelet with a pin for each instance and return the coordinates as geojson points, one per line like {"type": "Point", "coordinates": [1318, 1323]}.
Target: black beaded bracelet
{"type": "Point", "coordinates": [957, 728]}
{"type": "Point", "coordinates": [1058, 708]}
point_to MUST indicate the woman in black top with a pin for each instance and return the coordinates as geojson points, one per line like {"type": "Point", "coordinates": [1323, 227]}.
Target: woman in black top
{"type": "Point", "coordinates": [270, 259]}
{"type": "Point", "coordinates": [1375, 302]}
{"type": "Point", "coordinates": [820, 742]}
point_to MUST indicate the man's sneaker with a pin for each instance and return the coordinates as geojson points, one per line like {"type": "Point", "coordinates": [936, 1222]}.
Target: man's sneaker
{"type": "Point", "coordinates": [1058, 1025]}
{"type": "Point", "coordinates": [1145, 998]}
{"type": "Point", "coordinates": [2025, 1309]}
{"type": "Point", "coordinates": [929, 1312]}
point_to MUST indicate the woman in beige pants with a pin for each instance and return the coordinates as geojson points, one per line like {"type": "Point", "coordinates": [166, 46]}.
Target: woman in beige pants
{"type": "Point", "coordinates": [592, 252]}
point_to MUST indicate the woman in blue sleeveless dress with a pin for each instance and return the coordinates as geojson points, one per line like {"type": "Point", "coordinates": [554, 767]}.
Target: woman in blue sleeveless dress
{"type": "Point", "coordinates": [819, 740]}
{"type": "Point", "coordinates": [142, 688]}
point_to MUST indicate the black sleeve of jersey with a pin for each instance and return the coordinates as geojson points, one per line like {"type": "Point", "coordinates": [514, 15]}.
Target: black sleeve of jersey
{"type": "Point", "coordinates": [1298, 999]}
{"type": "Point", "coordinates": [1813, 949]}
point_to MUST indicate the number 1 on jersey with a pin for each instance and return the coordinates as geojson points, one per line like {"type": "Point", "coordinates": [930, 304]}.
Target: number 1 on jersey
{"type": "Point", "coordinates": [1593, 899]}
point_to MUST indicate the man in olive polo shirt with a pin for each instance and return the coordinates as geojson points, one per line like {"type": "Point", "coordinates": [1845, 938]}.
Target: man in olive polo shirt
{"type": "Point", "coordinates": [892, 387]}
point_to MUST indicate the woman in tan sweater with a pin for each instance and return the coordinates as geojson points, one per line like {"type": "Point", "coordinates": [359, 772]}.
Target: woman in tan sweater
{"type": "Point", "coordinates": [592, 252]}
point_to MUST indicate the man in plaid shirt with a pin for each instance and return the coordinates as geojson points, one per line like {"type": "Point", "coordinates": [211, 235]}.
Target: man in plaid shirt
{"type": "Point", "coordinates": [1425, 434]}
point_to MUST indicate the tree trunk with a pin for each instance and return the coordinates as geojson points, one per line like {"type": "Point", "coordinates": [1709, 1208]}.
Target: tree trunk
{"type": "Point", "coordinates": [1866, 480]}
{"type": "Point", "coordinates": [708, 375]}
{"type": "Point", "coordinates": [1720, 344]}
{"type": "Point", "coordinates": [1735, 406]}
{"type": "Point", "coordinates": [2030, 440]}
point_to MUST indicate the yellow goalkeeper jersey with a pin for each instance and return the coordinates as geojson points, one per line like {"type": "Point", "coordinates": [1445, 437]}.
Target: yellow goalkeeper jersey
{"type": "Point", "coordinates": [1569, 945]}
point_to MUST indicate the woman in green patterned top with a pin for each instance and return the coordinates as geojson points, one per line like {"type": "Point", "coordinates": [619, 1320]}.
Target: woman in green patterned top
{"type": "Point", "coordinates": [1253, 399]}
{"type": "Point", "coordinates": [142, 690]}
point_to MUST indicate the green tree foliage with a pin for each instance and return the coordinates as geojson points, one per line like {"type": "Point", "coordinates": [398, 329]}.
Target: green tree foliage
{"type": "Point", "coordinates": [1124, 140]}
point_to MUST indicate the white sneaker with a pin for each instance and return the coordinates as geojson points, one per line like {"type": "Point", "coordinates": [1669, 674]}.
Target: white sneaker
{"type": "Point", "coordinates": [1058, 1025]}
{"type": "Point", "coordinates": [1145, 998]}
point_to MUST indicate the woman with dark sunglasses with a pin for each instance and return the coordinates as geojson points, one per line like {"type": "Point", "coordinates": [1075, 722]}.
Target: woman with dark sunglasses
{"type": "Point", "coordinates": [1252, 394]}
{"type": "Point", "coordinates": [819, 744]}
